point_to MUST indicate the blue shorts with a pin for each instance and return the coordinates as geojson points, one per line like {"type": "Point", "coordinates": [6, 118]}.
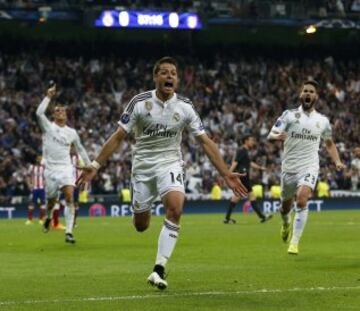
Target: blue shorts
{"type": "Point", "coordinates": [38, 196]}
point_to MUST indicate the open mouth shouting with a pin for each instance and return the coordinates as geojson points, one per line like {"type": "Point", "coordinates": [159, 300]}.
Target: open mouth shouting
{"type": "Point", "coordinates": [308, 99]}
{"type": "Point", "coordinates": [169, 85]}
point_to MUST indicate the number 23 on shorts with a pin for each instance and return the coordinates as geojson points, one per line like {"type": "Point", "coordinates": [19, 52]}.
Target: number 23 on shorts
{"type": "Point", "coordinates": [310, 178]}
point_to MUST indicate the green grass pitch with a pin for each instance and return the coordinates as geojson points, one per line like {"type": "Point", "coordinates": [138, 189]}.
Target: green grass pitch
{"type": "Point", "coordinates": [214, 267]}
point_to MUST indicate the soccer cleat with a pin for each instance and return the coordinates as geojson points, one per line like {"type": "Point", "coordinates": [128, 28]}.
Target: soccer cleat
{"type": "Point", "coordinates": [286, 232]}
{"type": "Point", "coordinates": [59, 226]}
{"type": "Point", "coordinates": [69, 238]}
{"type": "Point", "coordinates": [229, 221]}
{"type": "Point", "coordinates": [46, 225]}
{"type": "Point", "coordinates": [28, 222]}
{"type": "Point", "coordinates": [266, 218]}
{"type": "Point", "coordinates": [41, 222]}
{"type": "Point", "coordinates": [156, 280]}
{"type": "Point", "coordinates": [293, 249]}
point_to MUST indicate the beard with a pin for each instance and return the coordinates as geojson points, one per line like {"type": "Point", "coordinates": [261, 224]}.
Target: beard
{"type": "Point", "coordinates": [307, 104]}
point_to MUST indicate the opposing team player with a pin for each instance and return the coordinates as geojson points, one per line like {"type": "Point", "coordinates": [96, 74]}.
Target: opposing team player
{"type": "Point", "coordinates": [35, 180]}
{"type": "Point", "coordinates": [158, 118]}
{"type": "Point", "coordinates": [301, 130]}
{"type": "Point", "coordinates": [57, 141]}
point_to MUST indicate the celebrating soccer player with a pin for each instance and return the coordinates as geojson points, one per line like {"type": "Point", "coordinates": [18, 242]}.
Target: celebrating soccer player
{"type": "Point", "coordinates": [57, 141]}
{"type": "Point", "coordinates": [158, 118]}
{"type": "Point", "coordinates": [301, 130]}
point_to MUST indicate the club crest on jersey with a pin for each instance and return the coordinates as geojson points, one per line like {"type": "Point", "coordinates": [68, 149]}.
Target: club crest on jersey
{"type": "Point", "coordinates": [176, 117]}
{"type": "Point", "coordinates": [125, 118]}
{"type": "Point", "coordinates": [148, 105]}
{"type": "Point", "coordinates": [297, 115]}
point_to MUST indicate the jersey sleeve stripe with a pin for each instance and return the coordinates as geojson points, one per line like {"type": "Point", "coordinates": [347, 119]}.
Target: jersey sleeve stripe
{"type": "Point", "coordinates": [130, 107]}
{"type": "Point", "coordinates": [184, 99]}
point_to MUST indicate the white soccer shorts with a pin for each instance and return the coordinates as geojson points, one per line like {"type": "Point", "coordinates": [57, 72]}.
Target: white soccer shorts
{"type": "Point", "coordinates": [146, 188]}
{"type": "Point", "coordinates": [55, 180]}
{"type": "Point", "coordinates": [290, 182]}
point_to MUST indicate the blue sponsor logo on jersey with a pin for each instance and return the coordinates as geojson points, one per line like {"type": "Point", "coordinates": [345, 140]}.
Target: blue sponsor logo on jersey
{"type": "Point", "coordinates": [278, 123]}
{"type": "Point", "coordinates": [125, 118]}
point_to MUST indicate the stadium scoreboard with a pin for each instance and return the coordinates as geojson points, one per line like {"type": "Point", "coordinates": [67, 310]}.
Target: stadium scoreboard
{"type": "Point", "coordinates": [146, 19]}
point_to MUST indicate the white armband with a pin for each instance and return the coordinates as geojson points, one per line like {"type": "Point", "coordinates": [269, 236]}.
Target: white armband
{"type": "Point", "coordinates": [95, 164]}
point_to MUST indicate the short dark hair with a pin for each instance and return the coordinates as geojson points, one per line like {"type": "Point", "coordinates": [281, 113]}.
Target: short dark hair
{"type": "Point", "coordinates": [314, 83]}
{"type": "Point", "coordinates": [245, 138]}
{"type": "Point", "coordinates": [55, 105]}
{"type": "Point", "coordinates": [163, 60]}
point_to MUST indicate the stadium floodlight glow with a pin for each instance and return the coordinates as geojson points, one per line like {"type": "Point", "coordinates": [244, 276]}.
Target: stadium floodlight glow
{"type": "Point", "coordinates": [108, 19]}
{"type": "Point", "coordinates": [174, 20]}
{"type": "Point", "coordinates": [310, 29]}
{"type": "Point", "coordinates": [148, 19]}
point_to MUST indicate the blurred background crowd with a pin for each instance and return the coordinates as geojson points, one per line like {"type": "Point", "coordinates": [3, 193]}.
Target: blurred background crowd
{"type": "Point", "coordinates": [234, 95]}
{"type": "Point", "coordinates": [210, 8]}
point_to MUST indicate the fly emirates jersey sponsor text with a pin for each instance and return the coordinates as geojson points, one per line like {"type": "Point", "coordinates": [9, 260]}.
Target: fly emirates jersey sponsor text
{"type": "Point", "coordinates": [158, 127]}
{"type": "Point", "coordinates": [304, 134]}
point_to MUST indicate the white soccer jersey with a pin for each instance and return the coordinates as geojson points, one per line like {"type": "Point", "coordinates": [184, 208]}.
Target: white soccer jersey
{"type": "Point", "coordinates": [304, 132]}
{"type": "Point", "coordinates": [57, 141]}
{"type": "Point", "coordinates": [158, 129]}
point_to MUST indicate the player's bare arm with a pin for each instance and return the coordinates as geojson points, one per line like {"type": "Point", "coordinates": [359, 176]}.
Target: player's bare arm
{"type": "Point", "coordinates": [334, 154]}
{"type": "Point", "coordinates": [233, 166]}
{"type": "Point", "coordinates": [113, 143]}
{"type": "Point", "coordinates": [213, 153]}
{"type": "Point", "coordinates": [257, 166]}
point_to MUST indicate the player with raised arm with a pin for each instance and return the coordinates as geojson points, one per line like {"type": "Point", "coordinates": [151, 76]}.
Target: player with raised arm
{"type": "Point", "coordinates": [157, 119]}
{"type": "Point", "coordinates": [57, 141]}
{"type": "Point", "coordinates": [301, 130]}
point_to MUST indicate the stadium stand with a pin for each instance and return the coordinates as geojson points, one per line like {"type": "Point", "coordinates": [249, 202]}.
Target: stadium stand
{"type": "Point", "coordinates": [234, 96]}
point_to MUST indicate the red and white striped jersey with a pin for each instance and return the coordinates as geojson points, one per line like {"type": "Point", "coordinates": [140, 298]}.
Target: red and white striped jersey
{"type": "Point", "coordinates": [75, 161]}
{"type": "Point", "coordinates": [36, 172]}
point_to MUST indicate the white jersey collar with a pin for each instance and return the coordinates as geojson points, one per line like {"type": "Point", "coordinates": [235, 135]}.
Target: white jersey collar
{"type": "Point", "coordinates": [308, 114]}
{"type": "Point", "coordinates": [159, 101]}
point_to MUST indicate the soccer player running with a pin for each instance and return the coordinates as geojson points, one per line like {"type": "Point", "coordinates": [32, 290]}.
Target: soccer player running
{"type": "Point", "coordinates": [242, 163]}
{"type": "Point", "coordinates": [301, 130]}
{"type": "Point", "coordinates": [158, 118]}
{"type": "Point", "coordinates": [57, 140]}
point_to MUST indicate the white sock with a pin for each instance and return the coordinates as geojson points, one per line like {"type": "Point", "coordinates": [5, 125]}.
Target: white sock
{"type": "Point", "coordinates": [301, 215]}
{"type": "Point", "coordinates": [285, 217]}
{"type": "Point", "coordinates": [69, 217]}
{"type": "Point", "coordinates": [167, 241]}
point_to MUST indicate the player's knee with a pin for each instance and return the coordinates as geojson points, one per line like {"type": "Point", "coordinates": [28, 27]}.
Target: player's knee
{"type": "Point", "coordinates": [301, 202]}
{"type": "Point", "coordinates": [173, 214]}
{"type": "Point", "coordinates": [68, 198]}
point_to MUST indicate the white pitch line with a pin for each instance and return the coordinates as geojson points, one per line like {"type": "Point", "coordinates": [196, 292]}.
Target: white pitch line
{"type": "Point", "coordinates": [171, 295]}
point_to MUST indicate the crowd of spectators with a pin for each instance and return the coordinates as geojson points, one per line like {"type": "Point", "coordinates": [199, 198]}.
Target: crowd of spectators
{"type": "Point", "coordinates": [234, 97]}
{"type": "Point", "coordinates": [209, 8]}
